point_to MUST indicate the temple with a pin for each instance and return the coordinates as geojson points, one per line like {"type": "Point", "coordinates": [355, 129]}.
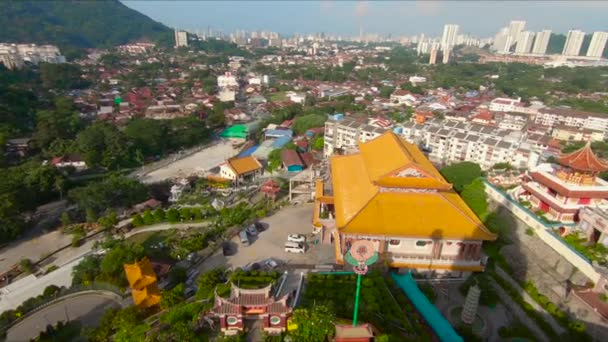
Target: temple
{"type": "Point", "coordinates": [143, 282]}
{"type": "Point", "coordinates": [560, 191]}
{"type": "Point", "coordinates": [251, 304]}
{"type": "Point", "coordinates": [391, 194]}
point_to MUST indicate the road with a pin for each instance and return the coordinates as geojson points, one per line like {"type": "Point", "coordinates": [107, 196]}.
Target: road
{"type": "Point", "coordinates": [86, 308]}
{"type": "Point", "coordinates": [194, 164]}
{"type": "Point", "coordinates": [270, 243]}
{"type": "Point", "coordinates": [166, 226]}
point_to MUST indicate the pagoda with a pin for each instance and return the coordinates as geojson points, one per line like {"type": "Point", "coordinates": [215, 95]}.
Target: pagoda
{"type": "Point", "coordinates": [560, 191]}
{"type": "Point", "coordinates": [143, 282]}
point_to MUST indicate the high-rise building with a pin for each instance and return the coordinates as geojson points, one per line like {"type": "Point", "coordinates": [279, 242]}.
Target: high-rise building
{"type": "Point", "coordinates": [433, 56]}
{"type": "Point", "coordinates": [524, 44]}
{"type": "Point", "coordinates": [502, 41]}
{"type": "Point", "coordinates": [541, 42]}
{"type": "Point", "coordinates": [448, 39]}
{"type": "Point", "coordinates": [181, 38]}
{"type": "Point", "coordinates": [516, 27]}
{"type": "Point", "coordinates": [446, 56]}
{"type": "Point", "coordinates": [574, 41]}
{"type": "Point", "coordinates": [597, 44]}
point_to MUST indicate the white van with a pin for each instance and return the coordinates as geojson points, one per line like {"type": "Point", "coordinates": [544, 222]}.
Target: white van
{"type": "Point", "coordinates": [244, 238]}
{"type": "Point", "coordinates": [294, 247]}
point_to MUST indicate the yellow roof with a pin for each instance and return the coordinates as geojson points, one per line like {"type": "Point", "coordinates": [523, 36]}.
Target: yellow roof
{"type": "Point", "coordinates": [146, 297]}
{"type": "Point", "coordinates": [369, 202]}
{"type": "Point", "coordinates": [140, 274]}
{"type": "Point", "coordinates": [244, 165]}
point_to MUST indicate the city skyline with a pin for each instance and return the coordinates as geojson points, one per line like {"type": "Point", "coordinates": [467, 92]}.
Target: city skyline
{"type": "Point", "coordinates": [396, 18]}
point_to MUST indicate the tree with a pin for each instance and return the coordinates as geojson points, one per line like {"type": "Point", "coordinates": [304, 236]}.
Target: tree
{"type": "Point", "coordinates": [112, 263]}
{"type": "Point", "coordinates": [112, 192]}
{"type": "Point", "coordinates": [172, 297]}
{"type": "Point", "coordinates": [305, 122]}
{"type": "Point", "coordinates": [91, 215]}
{"type": "Point", "coordinates": [185, 213]}
{"type": "Point", "coordinates": [207, 282]}
{"type": "Point", "coordinates": [173, 215]}
{"type": "Point", "coordinates": [61, 76]}
{"type": "Point", "coordinates": [159, 215]}
{"type": "Point", "coordinates": [11, 221]}
{"type": "Point", "coordinates": [104, 145]}
{"type": "Point", "coordinates": [148, 136]}
{"type": "Point", "coordinates": [274, 160]}
{"type": "Point", "coordinates": [109, 220]}
{"type": "Point", "coordinates": [461, 174]}
{"type": "Point", "coordinates": [474, 195]}
{"type": "Point", "coordinates": [386, 91]}
{"type": "Point", "coordinates": [148, 218]}
{"type": "Point", "coordinates": [318, 144]}
{"type": "Point", "coordinates": [62, 122]}
{"type": "Point", "coordinates": [138, 221]}
{"type": "Point", "coordinates": [26, 266]}
{"type": "Point", "coordinates": [66, 220]}
{"type": "Point", "coordinates": [315, 324]}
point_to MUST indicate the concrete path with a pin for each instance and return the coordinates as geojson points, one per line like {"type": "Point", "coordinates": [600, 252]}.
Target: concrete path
{"type": "Point", "coordinates": [166, 226]}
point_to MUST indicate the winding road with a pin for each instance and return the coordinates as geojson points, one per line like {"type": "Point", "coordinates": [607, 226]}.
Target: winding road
{"type": "Point", "coordinates": [86, 307]}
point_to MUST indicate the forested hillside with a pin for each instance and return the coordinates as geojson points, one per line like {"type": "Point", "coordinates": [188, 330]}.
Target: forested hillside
{"type": "Point", "coordinates": [76, 24]}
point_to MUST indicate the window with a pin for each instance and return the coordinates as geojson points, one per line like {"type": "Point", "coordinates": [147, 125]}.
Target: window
{"type": "Point", "coordinates": [274, 320]}
{"type": "Point", "coordinates": [394, 242]}
{"type": "Point", "coordinates": [420, 243]}
{"type": "Point", "coordinates": [231, 320]}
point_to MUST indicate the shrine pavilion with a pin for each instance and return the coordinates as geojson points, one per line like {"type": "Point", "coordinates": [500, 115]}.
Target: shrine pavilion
{"type": "Point", "coordinates": [143, 282]}
{"type": "Point", "coordinates": [251, 304]}
{"type": "Point", "coordinates": [560, 191]}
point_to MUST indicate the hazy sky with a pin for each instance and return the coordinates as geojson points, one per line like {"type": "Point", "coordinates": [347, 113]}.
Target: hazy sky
{"type": "Point", "coordinates": [482, 18]}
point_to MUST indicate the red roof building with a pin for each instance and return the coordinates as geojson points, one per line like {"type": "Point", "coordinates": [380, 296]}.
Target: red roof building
{"type": "Point", "coordinates": [251, 304]}
{"type": "Point", "coordinates": [561, 191]}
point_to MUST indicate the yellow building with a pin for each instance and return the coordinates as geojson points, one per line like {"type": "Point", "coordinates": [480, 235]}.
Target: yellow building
{"type": "Point", "coordinates": [143, 282]}
{"type": "Point", "coordinates": [391, 194]}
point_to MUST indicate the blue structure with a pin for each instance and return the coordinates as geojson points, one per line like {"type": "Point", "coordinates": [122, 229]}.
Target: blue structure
{"type": "Point", "coordinates": [336, 117]}
{"type": "Point", "coordinates": [248, 151]}
{"type": "Point", "coordinates": [398, 130]}
{"type": "Point", "coordinates": [277, 133]}
{"type": "Point", "coordinates": [442, 328]}
{"type": "Point", "coordinates": [280, 142]}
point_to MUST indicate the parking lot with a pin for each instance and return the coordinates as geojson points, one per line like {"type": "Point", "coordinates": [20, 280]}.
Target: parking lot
{"type": "Point", "coordinates": [270, 242]}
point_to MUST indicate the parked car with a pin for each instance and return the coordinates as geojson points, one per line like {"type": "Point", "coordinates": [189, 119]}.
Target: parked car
{"type": "Point", "coordinates": [252, 266]}
{"type": "Point", "coordinates": [296, 238]}
{"type": "Point", "coordinates": [227, 248]}
{"type": "Point", "coordinates": [244, 238]}
{"type": "Point", "coordinates": [252, 230]}
{"type": "Point", "coordinates": [259, 226]}
{"type": "Point", "coordinates": [270, 263]}
{"type": "Point", "coordinates": [294, 247]}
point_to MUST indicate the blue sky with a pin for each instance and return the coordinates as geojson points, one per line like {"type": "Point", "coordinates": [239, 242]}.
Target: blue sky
{"type": "Point", "coordinates": [482, 18]}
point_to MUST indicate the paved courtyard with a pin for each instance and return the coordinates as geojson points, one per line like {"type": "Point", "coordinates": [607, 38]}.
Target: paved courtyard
{"type": "Point", "coordinates": [270, 243]}
{"type": "Point", "coordinates": [194, 164]}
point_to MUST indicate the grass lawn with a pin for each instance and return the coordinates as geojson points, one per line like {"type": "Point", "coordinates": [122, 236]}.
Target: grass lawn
{"type": "Point", "coordinates": [278, 96]}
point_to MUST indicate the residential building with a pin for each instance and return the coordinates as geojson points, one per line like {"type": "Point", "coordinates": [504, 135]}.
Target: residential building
{"type": "Point", "coordinates": [516, 27]}
{"type": "Point", "coordinates": [569, 133]}
{"type": "Point", "coordinates": [344, 134]}
{"type": "Point", "coordinates": [574, 41]}
{"type": "Point", "coordinates": [524, 44]}
{"type": "Point", "coordinates": [389, 194]}
{"type": "Point", "coordinates": [403, 97]}
{"type": "Point", "coordinates": [226, 95]}
{"type": "Point", "coordinates": [450, 141]}
{"type": "Point", "coordinates": [502, 41]}
{"type": "Point", "coordinates": [15, 55]}
{"type": "Point", "coordinates": [541, 42]}
{"type": "Point", "coordinates": [552, 117]}
{"type": "Point", "coordinates": [448, 39]}
{"type": "Point", "coordinates": [258, 304]}
{"type": "Point", "coordinates": [178, 189]}
{"type": "Point", "coordinates": [446, 56]}
{"type": "Point", "coordinates": [560, 191]}
{"type": "Point", "coordinates": [597, 44]}
{"type": "Point", "coordinates": [505, 104]}
{"type": "Point", "coordinates": [227, 80]}
{"type": "Point", "coordinates": [433, 56]}
{"type": "Point", "coordinates": [71, 160]}
{"type": "Point", "coordinates": [240, 170]}
{"type": "Point", "coordinates": [143, 282]}
{"type": "Point", "coordinates": [296, 97]}
{"type": "Point", "coordinates": [181, 38]}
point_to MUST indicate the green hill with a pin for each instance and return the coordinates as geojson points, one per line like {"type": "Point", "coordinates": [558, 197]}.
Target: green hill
{"type": "Point", "coordinates": [76, 24]}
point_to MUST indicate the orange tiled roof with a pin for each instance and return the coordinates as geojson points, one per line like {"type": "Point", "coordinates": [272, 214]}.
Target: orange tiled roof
{"type": "Point", "coordinates": [583, 159]}
{"type": "Point", "coordinates": [380, 191]}
{"type": "Point", "coordinates": [244, 165]}
{"type": "Point", "coordinates": [140, 274]}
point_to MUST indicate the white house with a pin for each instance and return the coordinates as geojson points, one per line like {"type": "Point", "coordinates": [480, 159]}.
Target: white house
{"type": "Point", "coordinates": [72, 160]}
{"type": "Point", "coordinates": [240, 170]}
{"type": "Point", "coordinates": [226, 95]}
{"type": "Point", "coordinates": [403, 97]}
{"type": "Point", "coordinates": [226, 80]}
{"type": "Point", "coordinates": [296, 97]}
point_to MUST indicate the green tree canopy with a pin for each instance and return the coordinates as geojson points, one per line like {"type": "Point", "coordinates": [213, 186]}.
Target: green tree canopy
{"type": "Point", "coordinates": [315, 324]}
{"type": "Point", "coordinates": [461, 174]}
{"type": "Point", "coordinates": [147, 135]}
{"type": "Point", "coordinates": [112, 192]}
{"type": "Point", "coordinates": [474, 195]}
{"type": "Point", "coordinates": [102, 144]}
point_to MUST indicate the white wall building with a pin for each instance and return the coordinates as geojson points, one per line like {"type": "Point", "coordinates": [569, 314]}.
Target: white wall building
{"type": "Point", "coordinates": [524, 44]}
{"type": "Point", "coordinates": [227, 80]}
{"type": "Point", "coordinates": [574, 41]}
{"type": "Point", "coordinates": [553, 117]}
{"type": "Point", "coordinates": [15, 55]}
{"type": "Point", "coordinates": [448, 39]}
{"type": "Point", "coordinates": [597, 44]}
{"type": "Point", "coordinates": [541, 42]}
{"type": "Point", "coordinates": [181, 38]}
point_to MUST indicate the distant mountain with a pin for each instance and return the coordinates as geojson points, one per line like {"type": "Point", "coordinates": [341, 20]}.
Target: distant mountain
{"type": "Point", "coordinates": [76, 24]}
